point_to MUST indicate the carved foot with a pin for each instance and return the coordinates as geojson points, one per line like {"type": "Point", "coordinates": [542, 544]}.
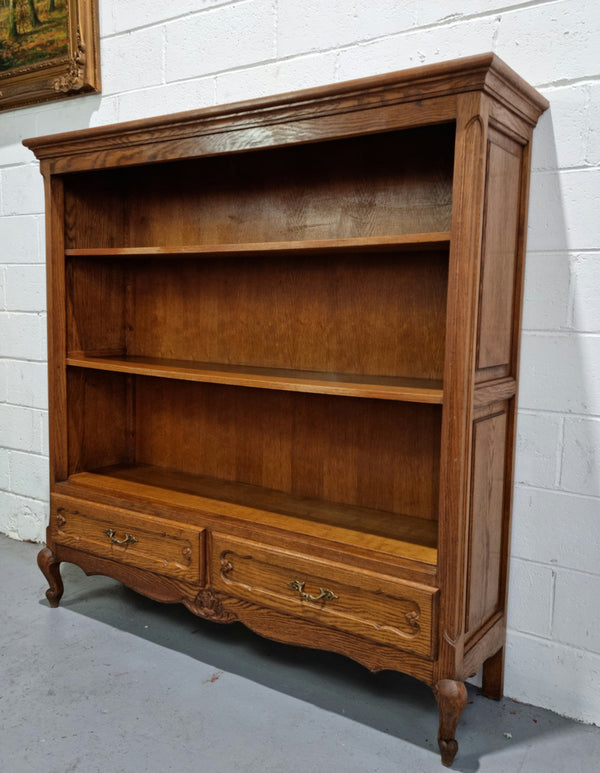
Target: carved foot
{"type": "Point", "coordinates": [492, 684]}
{"type": "Point", "coordinates": [451, 698]}
{"type": "Point", "coordinates": [50, 566]}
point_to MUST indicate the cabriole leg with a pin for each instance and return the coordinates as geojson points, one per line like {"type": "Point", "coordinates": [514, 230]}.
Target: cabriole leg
{"type": "Point", "coordinates": [50, 566]}
{"type": "Point", "coordinates": [492, 684]}
{"type": "Point", "coordinates": [451, 697]}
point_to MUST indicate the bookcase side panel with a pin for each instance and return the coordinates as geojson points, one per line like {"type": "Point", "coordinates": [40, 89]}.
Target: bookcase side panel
{"type": "Point", "coordinates": [55, 282]}
{"type": "Point", "coordinates": [97, 208]}
{"type": "Point", "coordinates": [500, 259]}
{"type": "Point", "coordinates": [97, 305]}
{"type": "Point", "coordinates": [99, 419]}
{"type": "Point", "coordinates": [486, 558]}
{"type": "Point", "coordinates": [497, 365]}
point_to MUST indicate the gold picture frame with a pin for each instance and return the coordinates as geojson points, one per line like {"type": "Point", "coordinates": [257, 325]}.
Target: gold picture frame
{"type": "Point", "coordinates": [49, 49]}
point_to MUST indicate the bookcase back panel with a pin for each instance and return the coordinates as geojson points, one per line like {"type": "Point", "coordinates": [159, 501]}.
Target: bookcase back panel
{"type": "Point", "coordinates": [392, 183]}
{"type": "Point", "coordinates": [377, 314]}
{"type": "Point", "coordinates": [380, 314]}
{"type": "Point", "coordinates": [355, 451]}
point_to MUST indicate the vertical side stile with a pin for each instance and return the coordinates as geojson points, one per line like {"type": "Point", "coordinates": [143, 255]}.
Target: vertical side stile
{"type": "Point", "coordinates": [57, 326]}
{"type": "Point", "coordinates": [463, 291]}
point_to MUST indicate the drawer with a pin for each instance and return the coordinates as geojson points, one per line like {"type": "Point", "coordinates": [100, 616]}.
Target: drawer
{"type": "Point", "coordinates": [378, 607]}
{"type": "Point", "coordinates": [157, 544]}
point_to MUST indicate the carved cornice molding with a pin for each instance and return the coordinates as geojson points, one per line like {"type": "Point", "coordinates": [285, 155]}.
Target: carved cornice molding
{"type": "Point", "coordinates": [484, 73]}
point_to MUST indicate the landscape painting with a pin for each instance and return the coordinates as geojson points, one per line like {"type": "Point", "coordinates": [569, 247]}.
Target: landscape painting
{"type": "Point", "coordinates": [48, 50]}
{"type": "Point", "coordinates": [32, 31]}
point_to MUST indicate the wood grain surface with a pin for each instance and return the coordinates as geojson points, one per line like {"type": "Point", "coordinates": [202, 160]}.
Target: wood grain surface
{"type": "Point", "coordinates": [283, 348]}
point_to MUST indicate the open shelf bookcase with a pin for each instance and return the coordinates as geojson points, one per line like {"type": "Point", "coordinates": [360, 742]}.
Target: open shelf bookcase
{"type": "Point", "coordinates": [283, 350]}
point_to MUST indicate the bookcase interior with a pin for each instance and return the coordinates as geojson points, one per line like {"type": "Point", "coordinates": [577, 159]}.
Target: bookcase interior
{"type": "Point", "coordinates": [289, 305]}
{"type": "Point", "coordinates": [379, 314]}
{"type": "Point", "coordinates": [390, 183]}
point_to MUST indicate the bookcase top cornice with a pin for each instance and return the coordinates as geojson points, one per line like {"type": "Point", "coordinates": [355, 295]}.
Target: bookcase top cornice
{"type": "Point", "coordinates": [176, 136]}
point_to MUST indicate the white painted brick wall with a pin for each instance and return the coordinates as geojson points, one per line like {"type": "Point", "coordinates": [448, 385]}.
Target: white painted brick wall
{"type": "Point", "coordinates": [132, 60]}
{"type": "Point", "coordinates": [581, 457]}
{"type": "Point", "coordinates": [539, 437]}
{"type": "Point", "coordinates": [534, 581]}
{"type": "Point", "coordinates": [21, 191]}
{"type": "Point", "coordinates": [26, 383]}
{"type": "Point", "coordinates": [21, 428]}
{"type": "Point", "coordinates": [166, 57]}
{"type": "Point", "coordinates": [555, 528]}
{"type": "Point", "coordinates": [316, 26]}
{"type": "Point", "coordinates": [585, 307]}
{"type": "Point", "coordinates": [561, 371]}
{"type": "Point", "coordinates": [576, 593]}
{"type": "Point", "coordinates": [24, 287]}
{"type": "Point", "coordinates": [20, 238]}
{"type": "Point", "coordinates": [220, 39]}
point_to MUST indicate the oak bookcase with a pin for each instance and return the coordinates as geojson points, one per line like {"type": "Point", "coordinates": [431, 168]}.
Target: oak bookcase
{"type": "Point", "coordinates": [283, 353]}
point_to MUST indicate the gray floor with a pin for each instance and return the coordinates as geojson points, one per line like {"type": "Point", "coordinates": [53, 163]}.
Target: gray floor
{"type": "Point", "coordinates": [112, 682]}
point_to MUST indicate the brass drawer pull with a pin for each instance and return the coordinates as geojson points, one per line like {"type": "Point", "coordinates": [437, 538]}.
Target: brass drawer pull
{"type": "Point", "coordinates": [324, 594]}
{"type": "Point", "coordinates": [129, 539]}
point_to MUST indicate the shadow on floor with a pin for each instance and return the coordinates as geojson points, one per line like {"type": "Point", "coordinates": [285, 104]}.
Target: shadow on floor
{"type": "Point", "coordinates": [389, 702]}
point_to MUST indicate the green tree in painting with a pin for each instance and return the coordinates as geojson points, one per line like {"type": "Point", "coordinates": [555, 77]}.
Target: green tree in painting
{"type": "Point", "coordinates": [12, 22]}
{"type": "Point", "coordinates": [33, 17]}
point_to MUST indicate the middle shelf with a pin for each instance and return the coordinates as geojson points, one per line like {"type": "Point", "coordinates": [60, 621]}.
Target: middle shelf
{"type": "Point", "coordinates": [350, 385]}
{"type": "Point", "coordinates": [414, 242]}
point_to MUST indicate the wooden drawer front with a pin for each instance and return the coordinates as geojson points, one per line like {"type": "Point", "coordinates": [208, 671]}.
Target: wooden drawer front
{"type": "Point", "coordinates": [157, 544]}
{"type": "Point", "coordinates": [378, 607]}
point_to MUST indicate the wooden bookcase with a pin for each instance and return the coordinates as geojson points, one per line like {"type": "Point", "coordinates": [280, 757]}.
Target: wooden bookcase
{"type": "Point", "coordinates": [283, 352]}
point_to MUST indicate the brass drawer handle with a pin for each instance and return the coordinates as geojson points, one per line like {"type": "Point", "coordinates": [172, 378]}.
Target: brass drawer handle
{"type": "Point", "coordinates": [324, 594]}
{"type": "Point", "coordinates": [129, 539]}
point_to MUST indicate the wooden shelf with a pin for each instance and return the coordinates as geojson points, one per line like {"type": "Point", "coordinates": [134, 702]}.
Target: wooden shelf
{"type": "Point", "coordinates": [403, 242]}
{"type": "Point", "coordinates": [391, 533]}
{"type": "Point", "coordinates": [349, 385]}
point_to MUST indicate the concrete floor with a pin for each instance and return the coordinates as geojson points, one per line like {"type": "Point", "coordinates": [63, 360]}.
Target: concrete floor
{"type": "Point", "coordinates": [112, 682]}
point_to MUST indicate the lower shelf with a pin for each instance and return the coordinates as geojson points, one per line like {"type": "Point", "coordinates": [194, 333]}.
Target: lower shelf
{"type": "Point", "coordinates": [389, 533]}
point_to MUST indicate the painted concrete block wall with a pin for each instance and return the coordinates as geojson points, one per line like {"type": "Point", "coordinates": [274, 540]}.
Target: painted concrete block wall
{"type": "Point", "coordinates": [166, 57]}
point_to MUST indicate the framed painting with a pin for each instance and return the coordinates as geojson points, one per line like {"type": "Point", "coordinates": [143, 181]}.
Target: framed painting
{"type": "Point", "coordinates": [49, 49]}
